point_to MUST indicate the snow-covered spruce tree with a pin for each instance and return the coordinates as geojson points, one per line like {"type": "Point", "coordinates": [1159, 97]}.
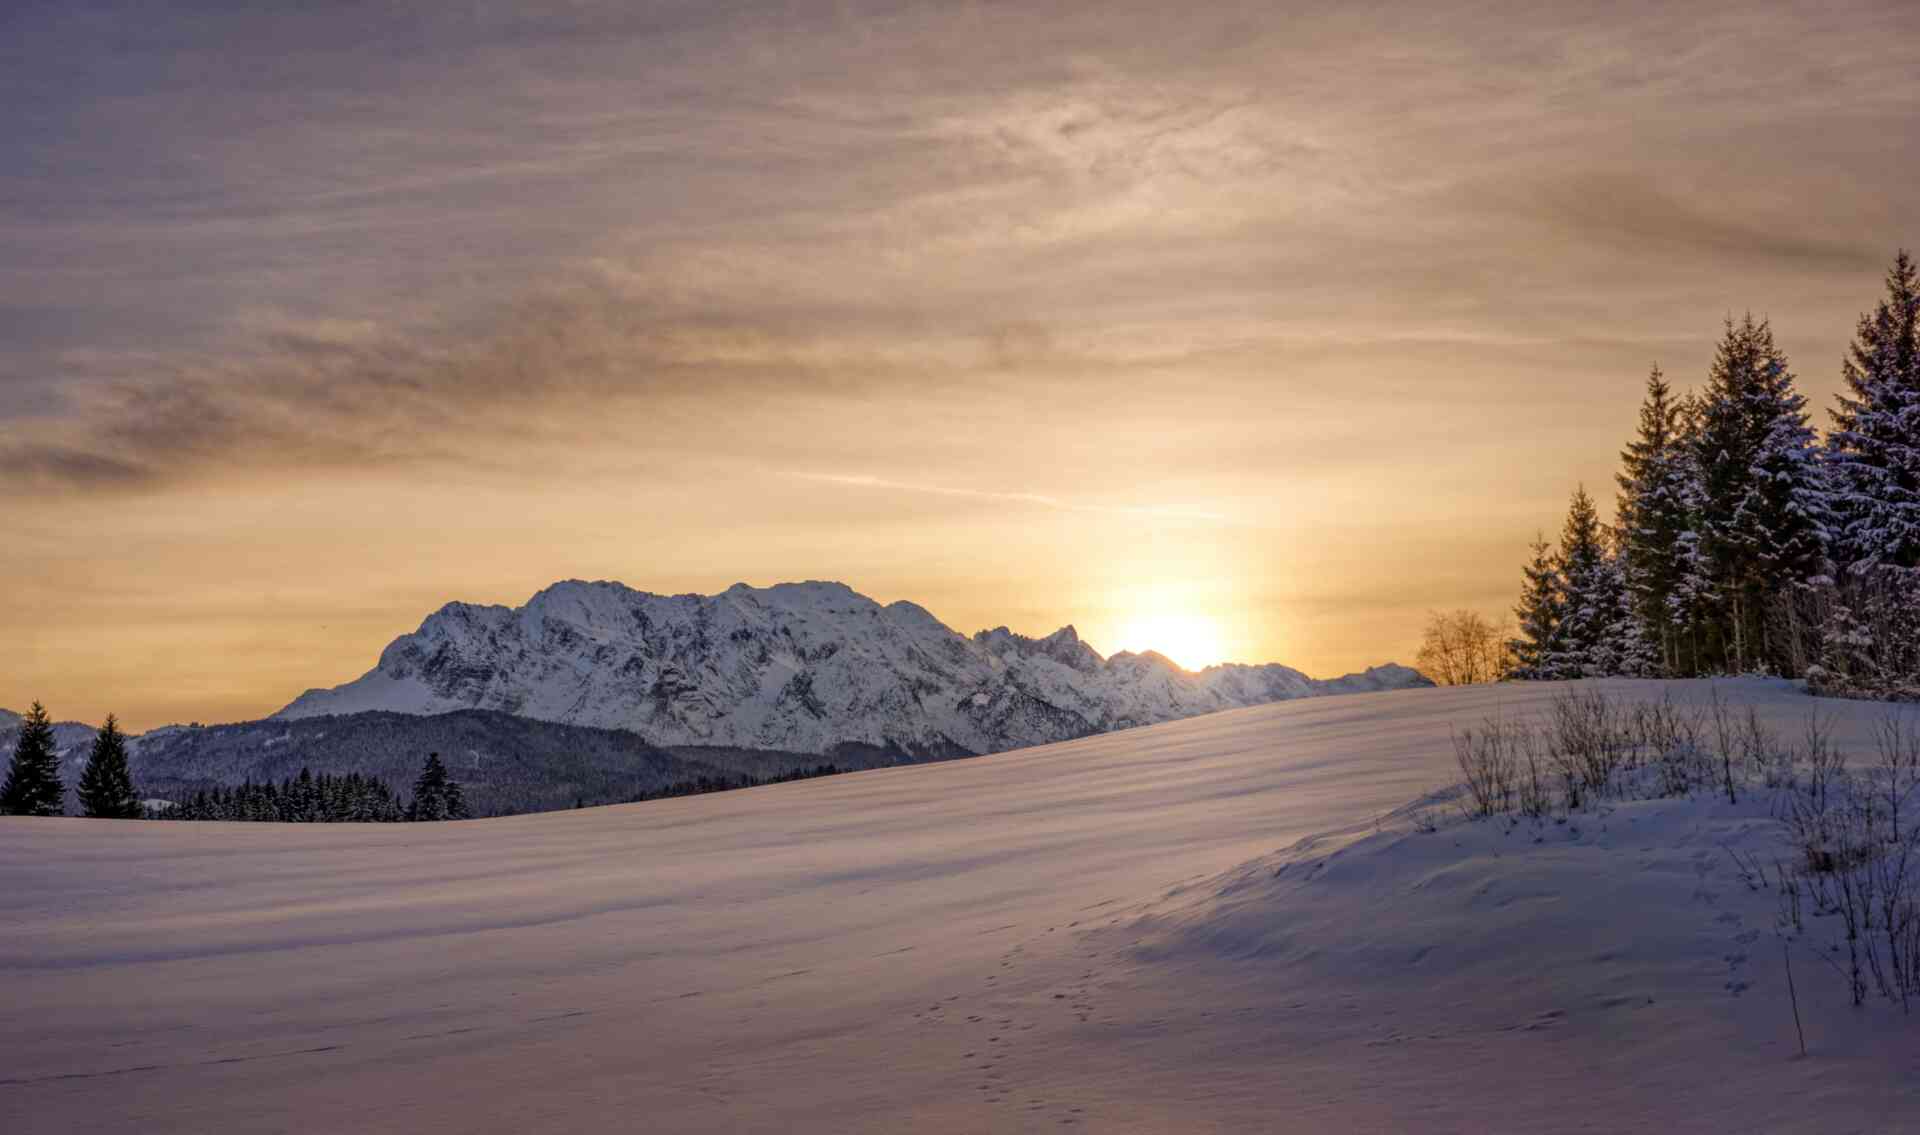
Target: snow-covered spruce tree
{"type": "Point", "coordinates": [1627, 651]}
{"type": "Point", "coordinates": [1874, 448]}
{"type": "Point", "coordinates": [106, 784]}
{"type": "Point", "coordinates": [1538, 616]}
{"type": "Point", "coordinates": [1592, 597]}
{"type": "Point", "coordinates": [1655, 522]}
{"type": "Point", "coordinates": [33, 785]}
{"type": "Point", "coordinates": [1763, 507]}
{"type": "Point", "coordinates": [1868, 615]}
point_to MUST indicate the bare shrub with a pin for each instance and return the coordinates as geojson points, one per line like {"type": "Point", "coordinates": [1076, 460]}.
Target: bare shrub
{"type": "Point", "coordinates": [1896, 774]}
{"type": "Point", "coordinates": [1860, 862]}
{"type": "Point", "coordinates": [1533, 772]}
{"type": "Point", "coordinates": [1668, 736]}
{"type": "Point", "coordinates": [1488, 759]}
{"type": "Point", "coordinates": [1591, 738]}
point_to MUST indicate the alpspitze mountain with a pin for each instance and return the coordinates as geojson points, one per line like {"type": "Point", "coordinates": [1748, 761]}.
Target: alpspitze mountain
{"type": "Point", "coordinates": [801, 667]}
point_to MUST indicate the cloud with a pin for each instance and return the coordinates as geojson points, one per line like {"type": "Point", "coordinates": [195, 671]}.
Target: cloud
{"type": "Point", "coordinates": [289, 396]}
{"type": "Point", "coordinates": [1658, 224]}
{"type": "Point", "coordinates": [1041, 500]}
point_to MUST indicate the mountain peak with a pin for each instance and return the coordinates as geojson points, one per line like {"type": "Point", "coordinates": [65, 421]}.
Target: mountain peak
{"type": "Point", "coordinates": [801, 667]}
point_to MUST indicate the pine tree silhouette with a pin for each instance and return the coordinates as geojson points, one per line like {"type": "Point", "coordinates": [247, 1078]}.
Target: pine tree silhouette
{"type": "Point", "coordinates": [33, 785]}
{"type": "Point", "coordinates": [106, 784]}
{"type": "Point", "coordinates": [434, 796]}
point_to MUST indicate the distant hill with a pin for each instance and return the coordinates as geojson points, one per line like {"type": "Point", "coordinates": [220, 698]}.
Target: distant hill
{"type": "Point", "coordinates": [504, 763]}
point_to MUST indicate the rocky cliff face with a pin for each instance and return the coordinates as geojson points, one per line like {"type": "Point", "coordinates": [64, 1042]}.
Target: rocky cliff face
{"type": "Point", "coordinates": [802, 667]}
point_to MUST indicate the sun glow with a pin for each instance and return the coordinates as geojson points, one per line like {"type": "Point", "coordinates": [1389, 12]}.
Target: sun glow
{"type": "Point", "coordinates": [1192, 641]}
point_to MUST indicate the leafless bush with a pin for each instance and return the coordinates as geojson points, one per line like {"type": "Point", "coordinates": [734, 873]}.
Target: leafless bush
{"type": "Point", "coordinates": [1591, 739]}
{"type": "Point", "coordinates": [1533, 771]}
{"type": "Point", "coordinates": [1896, 774]}
{"type": "Point", "coordinates": [1668, 736]}
{"type": "Point", "coordinates": [1488, 759]}
{"type": "Point", "coordinates": [1860, 862]}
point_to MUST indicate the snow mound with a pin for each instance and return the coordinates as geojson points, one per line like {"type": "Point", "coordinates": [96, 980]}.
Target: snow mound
{"type": "Point", "coordinates": [1548, 974]}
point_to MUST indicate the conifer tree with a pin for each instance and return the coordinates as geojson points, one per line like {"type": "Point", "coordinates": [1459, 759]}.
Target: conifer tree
{"type": "Point", "coordinates": [1655, 525]}
{"type": "Point", "coordinates": [1538, 616]}
{"type": "Point", "coordinates": [1874, 447]}
{"type": "Point", "coordinates": [106, 784]}
{"type": "Point", "coordinates": [33, 786]}
{"type": "Point", "coordinates": [1626, 649]}
{"type": "Point", "coordinates": [456, 802]}
{"type": "Point", "coordinates": [434, 796]}
{"type": "Point", "coordinates": [1592, 596]}
{"type": "Point", "coordinates": [1763, 507]}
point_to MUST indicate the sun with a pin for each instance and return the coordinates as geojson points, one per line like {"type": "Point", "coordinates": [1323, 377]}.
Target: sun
{"type": "Point", "coordinates": [1192, 641]}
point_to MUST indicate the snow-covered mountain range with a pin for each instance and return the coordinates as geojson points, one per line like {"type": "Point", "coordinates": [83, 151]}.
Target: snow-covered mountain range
{"type": "Point", "coordinates": [802, 667]}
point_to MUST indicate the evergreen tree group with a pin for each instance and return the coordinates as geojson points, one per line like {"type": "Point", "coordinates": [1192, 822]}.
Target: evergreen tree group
{"type": "Point", "coordinates": [1742, 541]}
{"type": "Point", "coordinates": [302, 799]}
{"type": "Point", "coordinates": [326, 799]}
{"type": "Point", "coordinates": [701, 785]}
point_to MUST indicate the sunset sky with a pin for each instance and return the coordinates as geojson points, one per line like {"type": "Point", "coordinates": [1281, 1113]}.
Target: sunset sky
{"type": "Point", "coordinates": [1292, 322]}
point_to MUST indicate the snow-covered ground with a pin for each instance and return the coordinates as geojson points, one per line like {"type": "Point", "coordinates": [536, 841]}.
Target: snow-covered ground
{"type": "Point", "coordinates": [1120, 933]}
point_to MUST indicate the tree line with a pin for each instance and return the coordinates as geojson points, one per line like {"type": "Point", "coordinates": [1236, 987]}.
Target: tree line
{"type": "Point", "coordinates": [34, 787]}
{"type": "Point", "coordinates": [327, 799]}
{"type": "Point", "coordinates": [1743, 540]}
{"type": "Point", "coordinates": [701, 785]}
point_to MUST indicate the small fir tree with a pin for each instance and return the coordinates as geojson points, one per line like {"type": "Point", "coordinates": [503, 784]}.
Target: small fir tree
{"type": "Point", "coordinates": [106, 784]}
{"type": "Point", "coordinates": [456, 802]}
{"type": "Point", "coordinates": [33, 786]}
{"type": "Point", "coordinates": [1538, 616]}
{"type": "Point", "coordinates": [435, 795]}
{"type": "Point", "coordinates": [1592, 596]}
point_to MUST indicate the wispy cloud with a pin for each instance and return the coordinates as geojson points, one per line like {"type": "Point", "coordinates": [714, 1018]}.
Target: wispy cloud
{"type": "Point", "coordinates": [1037, 500]}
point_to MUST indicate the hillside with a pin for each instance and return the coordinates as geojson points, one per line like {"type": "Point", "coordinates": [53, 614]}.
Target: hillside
{"type": "Point", "coordinates": [504, 763]}
{"type": "Point", "coordinates": [798, 667]}
{"type": "Point", "coordinates": [1229, 923]}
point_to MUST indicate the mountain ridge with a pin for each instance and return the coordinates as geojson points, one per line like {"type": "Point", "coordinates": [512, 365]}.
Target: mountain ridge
{"type": "Point", "coordinates": [800, 667]}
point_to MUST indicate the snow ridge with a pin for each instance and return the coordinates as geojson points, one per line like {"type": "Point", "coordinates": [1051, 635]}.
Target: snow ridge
{"type": "Point", "coordinates": [803, 667]}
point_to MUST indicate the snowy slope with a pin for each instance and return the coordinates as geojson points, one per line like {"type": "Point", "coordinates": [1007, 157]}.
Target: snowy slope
{"type": "Point", "coordinates": [1118, 933]}
{"type": "Point", "coordinates": [801, 667]}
